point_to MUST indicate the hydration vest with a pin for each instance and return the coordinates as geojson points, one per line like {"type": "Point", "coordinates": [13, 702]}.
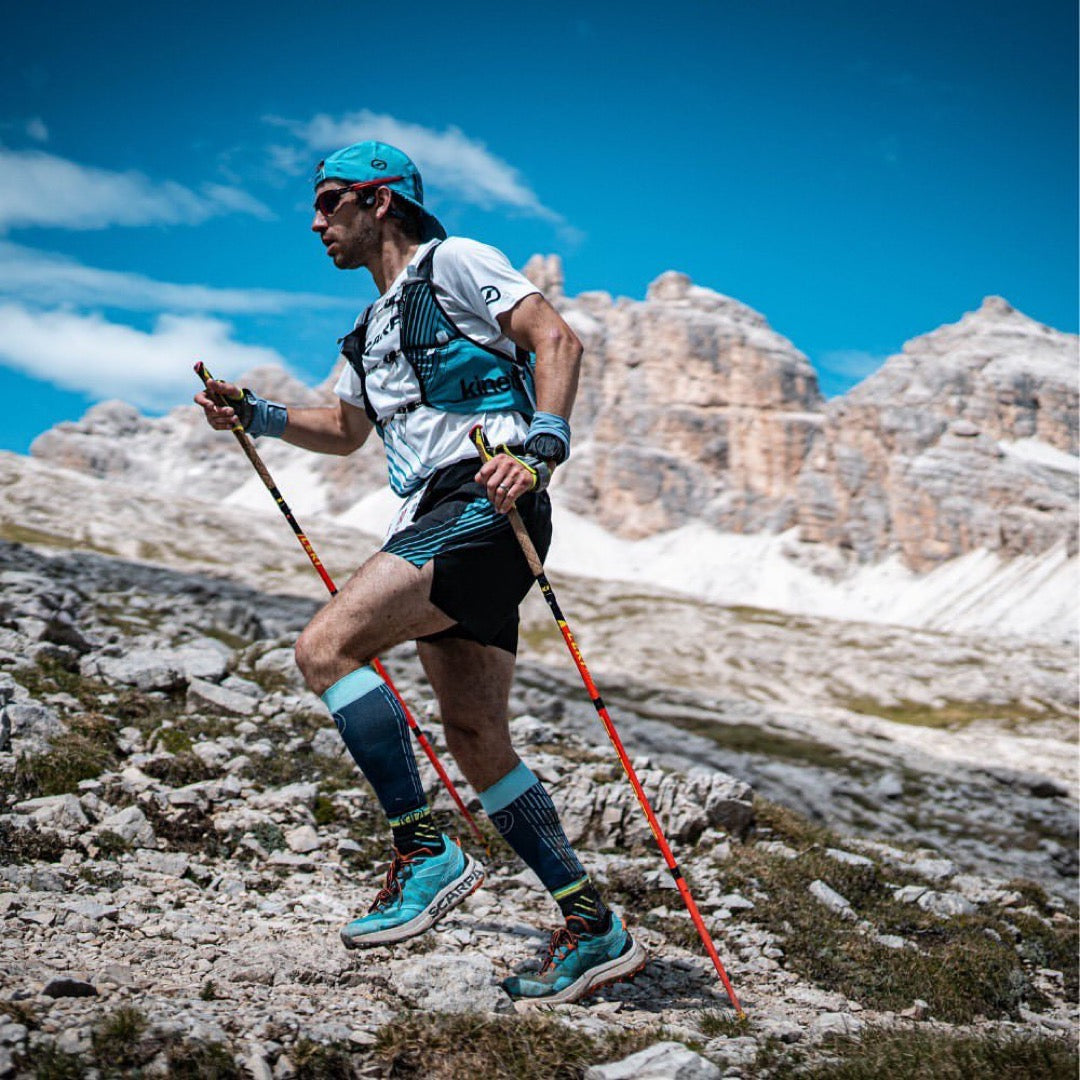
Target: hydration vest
{"type": "Point", "coordinates": [455, 373]}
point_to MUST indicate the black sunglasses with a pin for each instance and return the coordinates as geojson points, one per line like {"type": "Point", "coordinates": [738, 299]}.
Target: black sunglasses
{"type": "Point", "coordinates": [326, 202]}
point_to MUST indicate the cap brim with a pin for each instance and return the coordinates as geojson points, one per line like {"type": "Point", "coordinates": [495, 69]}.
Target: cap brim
{"type": "Point", "coordinates": [431, 227]}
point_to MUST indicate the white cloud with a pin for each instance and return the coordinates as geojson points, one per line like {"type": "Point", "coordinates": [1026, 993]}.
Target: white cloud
{"type": "Point", "coordinates": [37, 188]}
{"type": "Point", "coordinates": [448, 160]}
{"type": "Point", "coordinates": [45, 278]}
{"type": "Point", "coordinates": [106, 360]}
{"type": "Point", "coordinates": [37, 130]}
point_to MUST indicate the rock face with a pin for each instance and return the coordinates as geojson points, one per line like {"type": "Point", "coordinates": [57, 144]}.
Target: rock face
{"type": "Point", "coordinates": [965, 440]}
{"type": "Point", "coordinates": [692, 410]}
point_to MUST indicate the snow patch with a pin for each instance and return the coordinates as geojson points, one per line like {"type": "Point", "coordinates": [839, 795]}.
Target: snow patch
{"type": "Point", "coordinates": [1032, 595]}
{"type": "Point", "coordinates": [1041, 453]}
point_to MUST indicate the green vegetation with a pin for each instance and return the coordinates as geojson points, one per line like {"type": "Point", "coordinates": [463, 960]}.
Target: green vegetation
{"type": "Point", "coordinates": [26, 534]}
{"type": "Point", "coordinates": [28, 845]}
{"type": "Point", "coordinates": [110, 844]}
{"type": "Point", "coordinates": [964, 967]}
{"type": "Point", "coordinates": [907, 1054]}
{"type": "Point", "coordinates": [751, 739]}
{"type": "Point", "coordinates": [530, 1047]}
{"type": "Point", "coordinates": [85, 752]}
{"type": "Point", "coordinates": [117, 1039]}
{"type": "Point", "coordinates": [952, 715]}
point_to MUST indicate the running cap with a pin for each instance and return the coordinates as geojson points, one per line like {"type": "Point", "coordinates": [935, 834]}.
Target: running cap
{"type": "Point", "coordinates": [364, 162]}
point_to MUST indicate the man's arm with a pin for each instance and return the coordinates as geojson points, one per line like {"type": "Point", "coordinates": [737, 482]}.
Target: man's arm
{"type": "Point", "coordinates": [537, 327]}
{"type": "Point", "coordinates": [331, 429]}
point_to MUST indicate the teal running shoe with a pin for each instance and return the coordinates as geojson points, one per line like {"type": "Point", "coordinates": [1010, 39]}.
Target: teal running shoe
{"type": "Point", "coordinates": [420, 889]}
{"type": "Point", "coordinates": [578, 963]}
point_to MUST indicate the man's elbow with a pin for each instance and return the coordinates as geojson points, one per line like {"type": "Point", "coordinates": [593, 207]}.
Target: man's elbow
{"type": "Point", "coordinates": [565, 343]}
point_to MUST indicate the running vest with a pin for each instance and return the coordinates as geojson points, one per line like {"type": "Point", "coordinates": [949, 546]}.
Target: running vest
{"type": "Point", "coordinates": [455, 373]}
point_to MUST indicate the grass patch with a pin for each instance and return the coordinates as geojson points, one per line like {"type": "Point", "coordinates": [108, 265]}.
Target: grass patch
{"type": "Point", "coordinates": [303, 764]}
{"type": "Point", "coordinates": [714, 1024]}
{"type": "Point", "coordinates": [320, 1061]}
{"type": "Point", "coordinates": [226, 637]}
{"type": "Point", "coordinates": [441, 1047]}
{"type": "Point", "coordinates": [28, 846]}
{"type": "Point", "coordinates": [85, 752]}
{"type": "Point", "coordinates": [751, 739]}
{"type": "Point", "coordinates": [110, 844]}
{"type": "Point", "coordinates": [179, 770]}
{"type": "Point", "coordinates": [117, 1040]}
{"type": "Point", "coordinates": [951, 716]}
{"type": "Point", "coordinates": [747, 614]}
{"type": "Point", "coordinates": [917, 1054]}
{"type": "Point", "coordinates": [26, 534]}
{"type": "Point", "coordinates": [959, 968]}
{"type": "Point", "coordinates": [173, 740]}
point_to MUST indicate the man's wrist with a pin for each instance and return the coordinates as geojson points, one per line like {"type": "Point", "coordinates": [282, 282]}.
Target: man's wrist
{"type": "Point", "coordinates": [549, 437]}
{"type": "Point", "coordinates": [260, 417]}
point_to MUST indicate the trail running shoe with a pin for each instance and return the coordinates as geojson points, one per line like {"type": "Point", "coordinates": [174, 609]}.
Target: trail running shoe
{"type": "Point", "coordinates": [420, 889]}
{"type": "Point", "coordinates": [578, 963]}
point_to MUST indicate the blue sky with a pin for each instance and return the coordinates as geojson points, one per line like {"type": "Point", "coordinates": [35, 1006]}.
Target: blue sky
{"type": "Point", "coordinates": [858, 173]}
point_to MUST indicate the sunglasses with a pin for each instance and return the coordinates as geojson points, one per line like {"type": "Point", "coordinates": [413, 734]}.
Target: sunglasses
{"type": "Point", "coordinates": [326, 202]}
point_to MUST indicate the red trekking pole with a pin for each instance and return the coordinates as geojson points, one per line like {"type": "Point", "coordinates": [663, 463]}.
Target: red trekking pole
{"type": "Point", "coordinates": [537, 568]}
{"type": "Point", "coordinates": [253, 456]}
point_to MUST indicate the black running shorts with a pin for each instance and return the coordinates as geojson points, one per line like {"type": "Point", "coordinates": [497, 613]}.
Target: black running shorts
{"type": "Point", "coordinates": [481, 575]}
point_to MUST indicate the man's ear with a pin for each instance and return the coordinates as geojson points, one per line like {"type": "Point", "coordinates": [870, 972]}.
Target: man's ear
{"type": "Point", "coordinates": [384, 199]}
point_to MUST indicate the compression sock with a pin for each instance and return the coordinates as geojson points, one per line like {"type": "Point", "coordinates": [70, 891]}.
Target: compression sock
{"type": "Point", "coordinates": [521, 809]}
{"type": "Point", "coordinates": [372, 724]}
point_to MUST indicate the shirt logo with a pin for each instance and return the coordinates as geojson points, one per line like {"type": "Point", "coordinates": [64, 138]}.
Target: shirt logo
{"type": "Point", "coordinates": [490, 294]}
{"type": "Point", "coordinates": [479, 387]}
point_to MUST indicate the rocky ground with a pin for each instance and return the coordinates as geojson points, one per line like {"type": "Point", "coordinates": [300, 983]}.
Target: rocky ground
{"type": "Point", "coordinates": [181, 835]}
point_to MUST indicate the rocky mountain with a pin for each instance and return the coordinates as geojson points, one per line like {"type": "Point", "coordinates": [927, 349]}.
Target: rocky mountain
{"type": "Point", "coordinates": [697, 424]}
{"type": "Point", "coordinates": [967, 440]}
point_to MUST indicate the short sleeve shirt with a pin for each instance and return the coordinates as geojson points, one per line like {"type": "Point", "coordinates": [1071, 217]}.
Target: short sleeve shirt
{"type": "Point", "coordinates": [474, 283]}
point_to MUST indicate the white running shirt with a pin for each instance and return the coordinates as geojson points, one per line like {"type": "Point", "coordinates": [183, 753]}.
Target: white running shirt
{"type": "Point", "coordinates": [474, 283]}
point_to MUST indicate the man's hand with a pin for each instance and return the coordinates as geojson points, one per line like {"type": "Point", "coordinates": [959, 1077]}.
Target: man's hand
{"type": "Point", "coordinates": [219, 417]}
{"type": "Point", "coordinates": [507, 478]}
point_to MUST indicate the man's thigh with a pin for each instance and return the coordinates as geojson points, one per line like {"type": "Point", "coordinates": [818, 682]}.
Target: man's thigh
{"type": "Point", "coordinates": [383, 604]}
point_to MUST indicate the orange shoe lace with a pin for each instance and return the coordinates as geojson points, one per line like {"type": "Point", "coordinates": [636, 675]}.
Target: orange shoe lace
{"type": "Point", "coordinates": [563, 941]}
{"type": "Point", "coordinates": [392, 885]}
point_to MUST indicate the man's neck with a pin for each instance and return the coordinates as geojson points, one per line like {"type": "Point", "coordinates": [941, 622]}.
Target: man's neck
{"type": "Point", "coordinates": [394, 255]}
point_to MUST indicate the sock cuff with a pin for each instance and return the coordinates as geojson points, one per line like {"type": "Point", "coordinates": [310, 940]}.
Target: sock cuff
{"type": "Point", "coordinates": [503, 792]}
{"type": "Point", "coordinates": [569, 890]}
{"type": "Point", "coordinates": [351, 687]}
{"type": "Point", "coordinates": [410, 817]}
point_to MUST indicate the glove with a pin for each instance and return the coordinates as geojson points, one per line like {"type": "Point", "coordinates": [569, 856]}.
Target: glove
{"type": "Point", "coordinates": [539, 469]}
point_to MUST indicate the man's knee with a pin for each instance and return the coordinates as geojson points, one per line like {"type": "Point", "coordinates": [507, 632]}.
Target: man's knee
{"type": "Point", "coordinates": [318, 658]}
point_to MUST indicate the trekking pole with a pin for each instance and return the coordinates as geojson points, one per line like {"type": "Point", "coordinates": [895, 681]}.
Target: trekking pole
{"type": "Point", "coordinates": [264, 474]}
{"type": "Point", "coordinates": [537, 568]}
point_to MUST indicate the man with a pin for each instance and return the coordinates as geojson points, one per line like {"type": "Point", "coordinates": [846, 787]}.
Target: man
{"type": "Point", "coordinates": [446, 346]}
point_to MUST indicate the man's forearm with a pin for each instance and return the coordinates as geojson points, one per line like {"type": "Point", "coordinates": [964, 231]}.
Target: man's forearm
{"type": "Point", "coordinates": [558, 363]}
{"type": "Point", "coordinates": [326, 430]}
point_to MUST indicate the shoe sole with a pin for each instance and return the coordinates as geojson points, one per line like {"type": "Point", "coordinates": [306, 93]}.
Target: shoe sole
{"type": "Point", "coordinates": [625, 966]}
{"type": "Point", "coordinates": [467, 882]}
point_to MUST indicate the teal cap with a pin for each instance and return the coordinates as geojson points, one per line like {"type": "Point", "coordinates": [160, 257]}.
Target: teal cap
{"type": "Point", "coordinates": [365, 162]}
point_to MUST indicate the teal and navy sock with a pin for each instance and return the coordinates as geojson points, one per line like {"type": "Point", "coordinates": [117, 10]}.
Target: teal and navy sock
{"type": "Point", "coordinates": [521, 809]}
{"type": "Point", "coordinates": [416, 830]}
{"type": "Point", "coordinates": [373, 726]}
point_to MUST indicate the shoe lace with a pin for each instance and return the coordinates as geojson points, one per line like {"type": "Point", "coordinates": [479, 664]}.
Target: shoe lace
{"type": "Point", "coordinates": [397, 871]}
{"type": "Point", "coordinates": [563, 941]}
